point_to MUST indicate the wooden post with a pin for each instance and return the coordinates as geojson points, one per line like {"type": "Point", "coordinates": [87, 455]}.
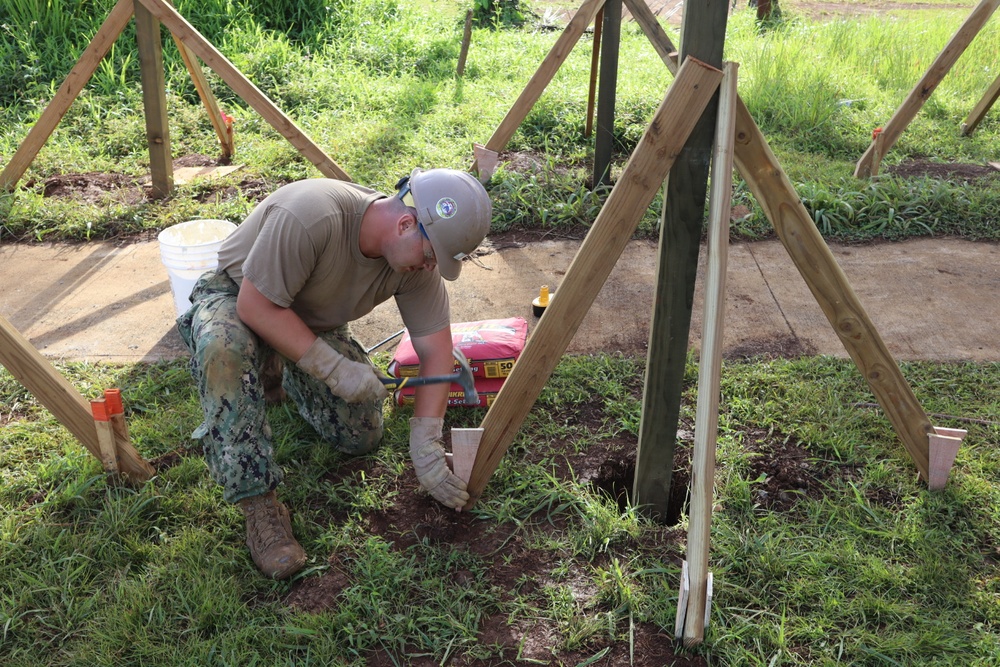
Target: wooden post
{"type": "Point", "coordinates": [673, 121]}
{"type": "Point", "coordinates": [71, 86]}
{"type": "Point", "coordinates": [706, 424]}
{"type": "Point", "coordinates": [595, 60]}
{"type": "Point", "coordinates": [922, 91]}
{"type": "Point", "coordinates": [981, 108]}
{"type": "Point", "coordinates": [704, 33]}
{"type": "Point", "coordinates": [604, 142]}
{"type": "Point", "coordinates": [38, 376]}
{"type": "Point", "coordinates": [209, 55]}
{"type": "Point", "coordinates": [154, 101]}
{"type": "Point", "coordinates": [464, 51]}
{"type": "Point", "coordinates": [814, 261]}
{"type": "Point", "coordinates": [542, 76]}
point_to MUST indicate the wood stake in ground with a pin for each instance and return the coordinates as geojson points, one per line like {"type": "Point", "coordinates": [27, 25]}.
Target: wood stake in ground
{"type": "Point", "coordinates": [53, 391]}
{"type": "Point", "coordinates": [680, 110]}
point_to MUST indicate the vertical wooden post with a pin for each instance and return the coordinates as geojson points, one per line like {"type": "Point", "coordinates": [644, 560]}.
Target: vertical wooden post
{"type": "Point", "coordinates": [464, 51]}
{"type": "Point", "coordinates": [154, 100]}
{"type": "Point", "coordinates": [866, 166]}
{"type": "Point", "coordinates": [710, 365]}
{"type": "Point", "coordinates": [595, 61]}
{"type": "Point", "coordinates": [604, 141]}
{"type": "Point", "coordinates": [669, 128]}
{"type": "Point", "coordinates": [703, 37]}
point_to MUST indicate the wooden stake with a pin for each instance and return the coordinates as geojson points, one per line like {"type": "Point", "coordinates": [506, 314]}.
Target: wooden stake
{"type": "Point", "coordinates": [595, 60]}
{"type": "Point", "coordinates": [464, 446]}
{"type": "Point", "coordinates": [464, 51]}
{"type": "Point", "coordinates": [943, 444]}
{"type": "Point", "coordinates": [867, 165]}
{"type": "Point", "coordinates": [655, 153]}
{"type": "Point", "coordinates": [105, 434]}
{"type": "Point", "coordinates": [38, 376]}
{"type": "Point", "coordinates": [710, 364]}
{"type": "Point", "coordinates": [486, 161]}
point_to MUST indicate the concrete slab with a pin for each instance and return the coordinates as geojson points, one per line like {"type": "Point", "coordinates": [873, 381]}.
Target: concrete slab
{"type": "Point", "coordinates": [929, 299]}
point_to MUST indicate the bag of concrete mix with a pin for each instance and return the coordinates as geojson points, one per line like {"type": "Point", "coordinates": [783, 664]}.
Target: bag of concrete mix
{"type": "Point", "coordinates": [491, 346]}
{"type": "Point", "coordinates": [486, 388]}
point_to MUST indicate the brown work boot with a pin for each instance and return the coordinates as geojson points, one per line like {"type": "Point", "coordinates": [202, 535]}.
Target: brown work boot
{"type": "Point", "coordinates": [269, 537]}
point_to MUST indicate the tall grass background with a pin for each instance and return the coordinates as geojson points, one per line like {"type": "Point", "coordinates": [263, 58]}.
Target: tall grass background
{"type": "Point", "coordinates": [373, 83]}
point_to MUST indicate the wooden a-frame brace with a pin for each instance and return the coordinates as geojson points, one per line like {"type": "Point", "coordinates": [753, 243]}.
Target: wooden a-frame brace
{"type": "Point", "coordinates": [98, 425]}
{"type": "Point", "coordinates": [149, 14]}
{"type": "Point", "coordinates": [883, 140]}
{"type": "Point", "coordinates": [617, 220]}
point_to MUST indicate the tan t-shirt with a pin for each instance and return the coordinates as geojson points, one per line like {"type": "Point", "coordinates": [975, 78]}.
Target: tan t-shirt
{"type": "Point", "coordinates": [300, 248]}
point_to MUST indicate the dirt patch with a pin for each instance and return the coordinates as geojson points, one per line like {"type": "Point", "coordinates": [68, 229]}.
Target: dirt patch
{"type": "Point", "coordinates": [944, 171]}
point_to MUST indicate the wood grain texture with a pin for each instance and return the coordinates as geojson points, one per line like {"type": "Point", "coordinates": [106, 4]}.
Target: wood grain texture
{"type": "Point", "coordinates": [55, 392]}
{"type": "Point", "coordinates": [706, 424]}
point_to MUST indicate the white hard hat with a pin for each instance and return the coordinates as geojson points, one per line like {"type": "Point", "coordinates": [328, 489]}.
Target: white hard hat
{"type": "Point", "coordinates": [454, 211]}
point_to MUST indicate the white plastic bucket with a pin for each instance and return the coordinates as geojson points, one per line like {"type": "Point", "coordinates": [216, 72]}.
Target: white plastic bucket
{"type": "Point", "coordinates": [188, 250]}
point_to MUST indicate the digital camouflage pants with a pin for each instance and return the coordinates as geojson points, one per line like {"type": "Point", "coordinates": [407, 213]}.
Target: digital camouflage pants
{"type": "Point", "coordinates": [227, 359]}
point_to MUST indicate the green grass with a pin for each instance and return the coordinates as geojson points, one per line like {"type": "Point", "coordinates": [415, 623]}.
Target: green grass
{"type": "Point", "coordinates": [864, 566]}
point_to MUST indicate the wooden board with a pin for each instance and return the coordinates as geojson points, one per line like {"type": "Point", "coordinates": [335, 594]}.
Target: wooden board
{"type": "Point", "coordinates": [71, 86]}
{"type": "Point", "coordinates": [673, 121]}
{"type": "Point", "coordinates": [868, 164]}
{"type": "Point", "coordinates": [706, 424]}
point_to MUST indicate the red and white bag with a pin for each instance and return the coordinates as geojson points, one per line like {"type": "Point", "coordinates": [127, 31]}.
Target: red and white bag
{"type": "Point", "coordinates": [491, 346]}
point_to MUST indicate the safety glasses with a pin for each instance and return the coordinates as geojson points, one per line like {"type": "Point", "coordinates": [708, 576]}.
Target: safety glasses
{"type": "Point", "coordinates": [404, 195]}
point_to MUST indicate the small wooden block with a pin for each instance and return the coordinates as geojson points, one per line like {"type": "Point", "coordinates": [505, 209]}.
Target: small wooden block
{"type": "Point", "coordinates": [682, 602]}
{"type": "Point", "coordinates": [995, 165]}
{"type": "Point", "coordinates": [464, 447]}
{"type": "Point", "coordinates": [943, 446]}
{"type": "Point", "coordinates": [486, 160]}
{"type": "Point", "coordinates": [105, 435]}
{"type": "Point", "coordinates": [184, 175]}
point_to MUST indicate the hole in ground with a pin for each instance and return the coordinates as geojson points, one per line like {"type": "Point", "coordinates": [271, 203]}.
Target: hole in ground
{"type": "Point", "coordinates": [616, 477]}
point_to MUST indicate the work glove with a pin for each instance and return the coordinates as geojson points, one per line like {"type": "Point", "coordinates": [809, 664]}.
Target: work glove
{"type": "Point", "coordinates": [353, 381]}
{"type": "Point", "coordinates": [427, 452]}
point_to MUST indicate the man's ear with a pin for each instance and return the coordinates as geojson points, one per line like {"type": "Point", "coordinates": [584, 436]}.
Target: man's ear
{"type": "Point", "coordinates": [405, 222]}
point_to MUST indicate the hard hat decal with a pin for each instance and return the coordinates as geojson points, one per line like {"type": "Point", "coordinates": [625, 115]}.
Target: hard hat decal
{"type": "Point", "coordinates": [446, 207]}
